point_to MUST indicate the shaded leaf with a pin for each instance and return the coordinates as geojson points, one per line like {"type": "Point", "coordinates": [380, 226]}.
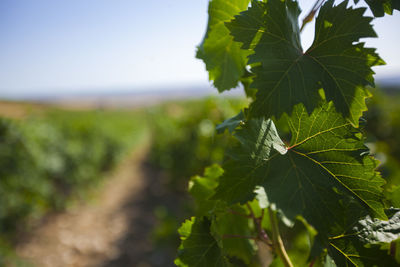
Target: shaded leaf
{"type": "Point", "coordinates": [230, 123]}
{"type": "Point", "coordinates": [375, 231]}
{"type": "Point", "coordinates": [364, 245]}
{"type": "Point", "coordinates": [226, 233]}
{"type": "Point", "coordinates": [232, 231]}
{"type": "Point", "coordinates": [198, 247]}
{"type": "Point", "coordinates": [325, 166]}
{"type": "Point", "coordinates": [202, 188]}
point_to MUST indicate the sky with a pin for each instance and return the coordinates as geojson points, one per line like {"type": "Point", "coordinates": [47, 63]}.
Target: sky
{"type": "Point", "coordinates": [91, 45]}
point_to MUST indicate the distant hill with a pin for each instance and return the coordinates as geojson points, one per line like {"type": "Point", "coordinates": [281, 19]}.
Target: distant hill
{"type": "Point", "coordinates": [391, 82]}
{"type": "Point", "coordinates": [134, 97]}
{"type": "Point", "coordinates": [119, 98]}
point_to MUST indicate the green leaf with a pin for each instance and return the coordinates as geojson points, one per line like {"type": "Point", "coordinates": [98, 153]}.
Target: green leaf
{"type": "Point", "coordinates": [286, 76]}
{"type": "Point", "coordinates": [198, 247]}
{"type": "Point", "coordinates": [230, 123]}
{"type": "Point", "coordinates": [362, 245]}
{"type": "Point", "coordinates": [225, 61]}
{"type": "Point", "coordinates": [202, 188]}
{"type": "Point", "coordinates": [329, 262]}
{"type": "Point", "coordinates": [227, 234]}
{"type": "Point", "coordinates": [230, 236]}
{"type": "Point", "coordinates": [380, 7]}
{"type": "Point", "coordinates": [375, 231]}
{"type": "Point", "coordinates": [263, 203]}
{"type": "Point", "coordinates": [325, 166]}
{"type": "Point", "coordinates": [232, 231]}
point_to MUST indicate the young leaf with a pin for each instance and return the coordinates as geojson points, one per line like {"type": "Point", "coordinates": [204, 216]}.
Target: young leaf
{"type": "Point", "coordinates": [286, 76]}
{"type": "Point", "coordinates": [198, 247]}
{"type": "Point", "coordinates": [225, 61]}
{"type": "Point", "coordinates": [325, 165]}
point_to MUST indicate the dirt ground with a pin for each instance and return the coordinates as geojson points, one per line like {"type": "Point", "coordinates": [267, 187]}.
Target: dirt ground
{"type": "Point", "coordinates": [19, 110]}
{"type": "Point", "coordinates": [113, 230]}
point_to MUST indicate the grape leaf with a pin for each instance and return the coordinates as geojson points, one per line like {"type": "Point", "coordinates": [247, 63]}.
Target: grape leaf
{"type": "Point", "coordinates": [361, 246]}
{"type": "Point", "coordinates": [374, 231]}
{"type": "Point", "coordinates": [286, 75]}
{"type": "Point", "coordinates": [325, 164]}
{"type": "Point", "coordinates": [231, 229]}
{"type": "Point", "coordinates": [355, 254]}
{"type": "Point", "coordinates": [223, 230]}
{"type": "Point", "coordinates": [329, 262]}
{"type": "Point", "coordinates": [225, 61]}
{"type": "Point", "coordinates": [230, 123]}
{"type": "Point", "coordinates": [202, 188]}
{"type": "Point", "coordinates": [198, 246]}
{"type": "Point", "coordinates": [380, 7]}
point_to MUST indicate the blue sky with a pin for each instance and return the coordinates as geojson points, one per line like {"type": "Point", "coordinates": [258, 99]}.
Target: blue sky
{"type": "Point", "coordinates": [76, 45]}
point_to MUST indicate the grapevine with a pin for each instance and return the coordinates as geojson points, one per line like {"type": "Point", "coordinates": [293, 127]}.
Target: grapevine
{"type": "Point", "coordinates": [298, 153]}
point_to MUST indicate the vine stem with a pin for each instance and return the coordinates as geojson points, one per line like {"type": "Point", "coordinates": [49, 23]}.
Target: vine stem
{"type": "Point", "coordinates": [277, 240]}
{"type": "Point", "coordinates": [262, 235]}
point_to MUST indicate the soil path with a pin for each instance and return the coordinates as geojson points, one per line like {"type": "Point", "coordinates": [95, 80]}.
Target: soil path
{"type": "Point", "coordinates": [112, 230]}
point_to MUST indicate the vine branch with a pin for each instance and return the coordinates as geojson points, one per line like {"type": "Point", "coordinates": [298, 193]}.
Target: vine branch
{"type": "Point", "coordinates": [277, 240]}
{"type": "Point", "coordinates": [261, 234]}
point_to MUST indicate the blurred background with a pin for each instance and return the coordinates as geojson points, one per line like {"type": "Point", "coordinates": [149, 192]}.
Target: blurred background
{"type": "Point", "coordinates": [105, 114]}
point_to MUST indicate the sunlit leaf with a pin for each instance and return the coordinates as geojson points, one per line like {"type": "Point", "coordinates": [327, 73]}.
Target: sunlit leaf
{"type": "Point", "coordinates": [225, 61]}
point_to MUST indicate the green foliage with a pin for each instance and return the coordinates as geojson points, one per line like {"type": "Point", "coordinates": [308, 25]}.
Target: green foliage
{"type": "Point", "coordinates": [230, 123]}
{"type": "Point", "coordinates": [324, 176]}
{"type": "Point", "coordinates": [383, 130]}
{"type": "Point", "coordinates": [325, 160]}
{"type": "Point", "coordinates": [49, 160]}
{"type": "Point", "coordinates": [286, 76]}
{"type": "Point", "coordinates": [184, 142]}
{"type": "Point", "coordinates": [364, 244]}
{"type": "Point", "coordinates": [376, 231]}
{"type": "Point", "coordinates": [199, 247]}
{"type": "Point", "coordinates": [224, 60]}
{"type": "Point", "coordinates": [218, 216]}
{"type": "Point", "coordinates": [202, 188]}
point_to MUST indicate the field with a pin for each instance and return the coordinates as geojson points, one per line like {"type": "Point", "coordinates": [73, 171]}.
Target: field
{"type": "Point", "coordinates": [79, 173]}
{"type": "Point", "coordinates": [53, 160]}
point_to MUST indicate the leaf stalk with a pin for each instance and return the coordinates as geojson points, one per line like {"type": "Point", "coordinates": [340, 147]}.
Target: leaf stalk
{"type": "Point", "coordinates": [277, 242]}
{"type": "Point", "coordinates": [261, 234]}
